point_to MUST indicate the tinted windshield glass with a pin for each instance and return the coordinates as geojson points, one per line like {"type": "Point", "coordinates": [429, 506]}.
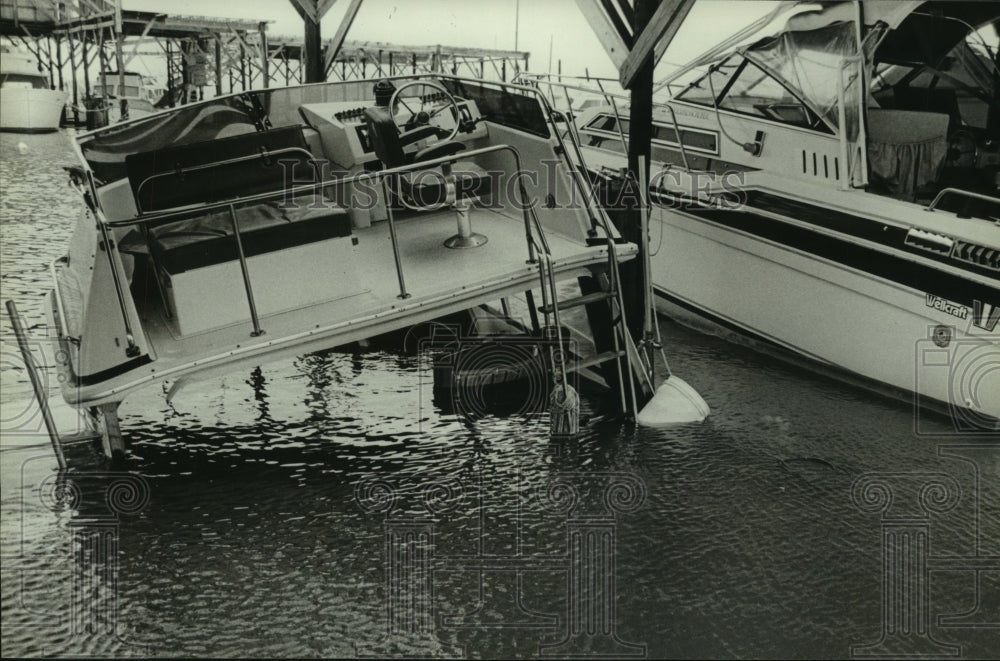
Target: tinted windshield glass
{"type": "Point", "coordinates": [504, 105]}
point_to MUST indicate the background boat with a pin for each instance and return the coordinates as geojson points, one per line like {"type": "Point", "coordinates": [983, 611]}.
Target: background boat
{"type": "Point", "coordinates": [139, 91]}
{"type": "Point", "coordinates": [26, 101]}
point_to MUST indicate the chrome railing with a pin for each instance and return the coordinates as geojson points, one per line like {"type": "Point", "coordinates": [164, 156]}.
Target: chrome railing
{"type": "Point", "coordinates": [959, 191]}
{"type": "Point", "coordinates": [381, 176]}
{"type": "Point", "coordinates": [60, 309]}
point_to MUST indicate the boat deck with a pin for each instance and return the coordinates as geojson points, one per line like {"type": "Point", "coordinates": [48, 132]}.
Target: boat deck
{"type": "Point", "coordinates": [439, 280]}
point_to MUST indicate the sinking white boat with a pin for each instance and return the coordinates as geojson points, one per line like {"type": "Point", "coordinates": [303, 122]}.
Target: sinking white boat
{"type": "Point", "coordinates": [827, 184]}
{"type": "Point", "coordinates": [220, 235]}
{"type": "Point", "coordinates": [27, 104]}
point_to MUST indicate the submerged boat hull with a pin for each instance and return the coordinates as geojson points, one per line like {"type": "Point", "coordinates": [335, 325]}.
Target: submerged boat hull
{"type": "Point", "coordinates": [31, 110]}
{"type": "Point", "coordinates": [905, 341]}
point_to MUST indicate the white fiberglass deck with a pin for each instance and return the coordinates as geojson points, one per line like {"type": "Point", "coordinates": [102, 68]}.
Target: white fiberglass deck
{"type": "Point", "coordinates": [439, 280]}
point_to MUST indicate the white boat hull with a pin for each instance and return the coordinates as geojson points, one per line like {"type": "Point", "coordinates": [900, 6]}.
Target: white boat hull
{"type": "Point", "coordinates": [841, 317]}
{"type": "Point", "coordinates": [31, 109]}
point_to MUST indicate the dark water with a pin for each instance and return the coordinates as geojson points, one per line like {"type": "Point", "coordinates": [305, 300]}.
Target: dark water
{"type": "Point", "coordinates": [327, 506]}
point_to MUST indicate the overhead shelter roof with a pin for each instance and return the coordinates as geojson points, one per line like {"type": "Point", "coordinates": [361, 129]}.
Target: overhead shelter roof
{"type": "Point", "coordinates": [611, 21]}
{"type": "Point", "coordinates": [152, 24]}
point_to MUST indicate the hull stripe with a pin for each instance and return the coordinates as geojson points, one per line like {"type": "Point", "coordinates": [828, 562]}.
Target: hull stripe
{"type": "Point", "coordinates": [902, 270]}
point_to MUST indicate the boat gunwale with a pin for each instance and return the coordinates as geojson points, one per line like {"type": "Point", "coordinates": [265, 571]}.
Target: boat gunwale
{"type": "Point", "coordinates": [363, 327]}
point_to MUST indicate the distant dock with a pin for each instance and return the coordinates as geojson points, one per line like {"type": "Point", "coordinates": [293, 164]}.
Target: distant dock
{"type": "Point", "coordinates": [222, 55]}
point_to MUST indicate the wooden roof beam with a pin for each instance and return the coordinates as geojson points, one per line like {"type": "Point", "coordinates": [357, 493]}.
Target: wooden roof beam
{"type": "Point", "coordinates": [620, 15]}
{"type": "Point", "coordinates": [314, 10]}
{"type": "Point", "coordinates": [307, 9]}
{"type": "Point", "coordinates": [338, 39]}
{"type": "Point", "coordinates": [322, 7]}
{"type": "Point", "coordinates": [608, 33]}
{"type": "Point", "coordinates": [658, 33]}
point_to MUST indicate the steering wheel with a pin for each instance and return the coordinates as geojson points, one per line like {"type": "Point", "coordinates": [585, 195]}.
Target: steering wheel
{"type": "Point", "coordinates": [425, 112]}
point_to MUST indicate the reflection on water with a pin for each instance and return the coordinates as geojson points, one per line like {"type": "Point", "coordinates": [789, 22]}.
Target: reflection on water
{"type": "Point", "coordinates": [327, 505]}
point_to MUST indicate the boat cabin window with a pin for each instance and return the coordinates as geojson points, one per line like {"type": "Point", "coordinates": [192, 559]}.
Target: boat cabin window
{"type": "Point", "coordinates": [608, 123]}
{"type": "Point", "coordinates": [130, 90]}
{"type": "Point", "coordinates": [24, 80]}
{"type": "Point", "coordinates": [602, 131]}
{"type": "Point", "coordinates": [743, 87]}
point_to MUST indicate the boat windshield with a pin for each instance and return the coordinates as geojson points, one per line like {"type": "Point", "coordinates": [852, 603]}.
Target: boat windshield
{"type": "Point", "coordinates": [793, 77]}
{"type": "Point", "coordinates": [810, 62]}
{"type": "Point", "coordinates": [105, 150]}
{"type": "Point", "coordinates": [964, 81]}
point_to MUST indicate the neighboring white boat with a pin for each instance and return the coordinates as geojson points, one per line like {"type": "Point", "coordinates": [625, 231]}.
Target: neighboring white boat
{"type": "Point", "coordinates": [27, 104]}
{"type": "Point", "coordinates": [141, 93]}
{"type": "Point", "coordinates": [829, 186]}
{"type": "Point", "coordinates": [218, 235]}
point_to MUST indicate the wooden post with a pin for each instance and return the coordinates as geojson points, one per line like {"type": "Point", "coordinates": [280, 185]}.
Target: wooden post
{"type": "Point", "coordinates": [265, 56]}
{"type": "Point", "coordinates": [119, 61]}
{"type": "Point", "coordinates": [312, 50]}
{"type": "Point", "coordinates": [86, 63]}
{"type": "Point", "coordinates": [72, 68]}
{"type": "Point", "coordinates": [218, 65]}
{"type": "Point", "coordinates": [102, 59]}
{"type": "Point", "coordinates": [243, 66]}
{"type": "Point", "coordinates": [48, 58]}
{"type": "Point", "coordinates": [185, 72]}
{"type": "Point", "coordinates": [59, 62]}
{"type": "Point", "coordinates": [112, 438]}
{"type": "Point", "coordinates": [170, 74]}
{"type": "Point", "coordinates": [640, 123]}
